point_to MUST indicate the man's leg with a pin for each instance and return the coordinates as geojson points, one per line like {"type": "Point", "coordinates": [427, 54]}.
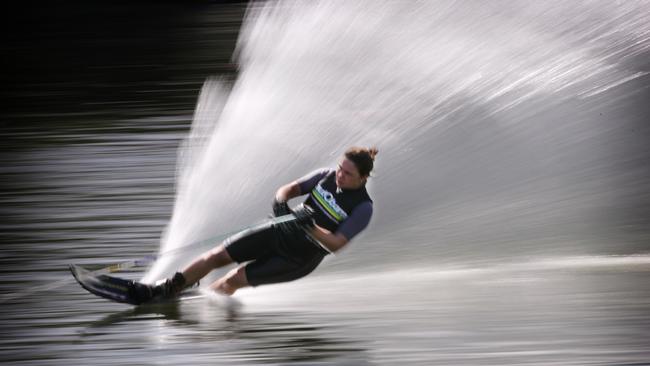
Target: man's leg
{"type": "Point", "coordinates": [231, 282]}
{"type": "Point", "coordinates": [244, 247]}
{"type": "Point", "coordinates": [213, 259]}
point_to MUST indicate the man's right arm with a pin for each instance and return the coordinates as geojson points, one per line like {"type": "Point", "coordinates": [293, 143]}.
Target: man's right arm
{"type": "Point", "coordinates": [300, 186]}
{"type": "Point", "coordinates": [287, 192]}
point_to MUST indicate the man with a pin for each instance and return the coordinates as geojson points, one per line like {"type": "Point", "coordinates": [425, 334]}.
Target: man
{"type": "Point", "coordinates": [337, 209]}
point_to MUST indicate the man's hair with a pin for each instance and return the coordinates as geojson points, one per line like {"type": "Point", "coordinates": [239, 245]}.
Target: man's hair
{"type": "Point", "coordinates": [363, 158]}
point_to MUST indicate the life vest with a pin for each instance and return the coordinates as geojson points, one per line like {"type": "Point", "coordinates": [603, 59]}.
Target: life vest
{"type": "Point", "coordinates": [332, 206]}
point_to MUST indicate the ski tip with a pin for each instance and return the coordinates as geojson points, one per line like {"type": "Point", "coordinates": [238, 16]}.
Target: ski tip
{"type": "Point", "coordinates": [77, 271]}
{"type": "Point", "coordinates": [73, 270]}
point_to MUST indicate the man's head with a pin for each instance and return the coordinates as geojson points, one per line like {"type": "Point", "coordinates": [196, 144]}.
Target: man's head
{"type": "Point", "coordinates": [355, 167]}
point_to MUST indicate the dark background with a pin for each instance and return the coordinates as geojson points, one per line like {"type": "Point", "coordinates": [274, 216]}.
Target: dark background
{"type": "Point", "coordinates": [107, 58]}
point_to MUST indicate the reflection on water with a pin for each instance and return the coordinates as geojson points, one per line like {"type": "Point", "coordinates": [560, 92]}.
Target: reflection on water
{"type": "Point", "coordinates": [260, 336]}
{"type": "Point", "coordinates": [528, 314]}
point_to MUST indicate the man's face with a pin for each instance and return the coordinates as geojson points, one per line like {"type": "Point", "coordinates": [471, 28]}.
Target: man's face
{"type": "Point", "coordinates": [347, 175]}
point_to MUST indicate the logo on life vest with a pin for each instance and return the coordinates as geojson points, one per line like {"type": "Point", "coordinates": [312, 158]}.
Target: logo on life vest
{"type": "Point", "coordinates": [327, 201]}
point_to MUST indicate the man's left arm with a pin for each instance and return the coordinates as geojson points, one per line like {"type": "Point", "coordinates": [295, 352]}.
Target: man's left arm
{"type": "Point", "coordinates": [332, 241]}
{"type": "Point", "coordinates": [352, 226]}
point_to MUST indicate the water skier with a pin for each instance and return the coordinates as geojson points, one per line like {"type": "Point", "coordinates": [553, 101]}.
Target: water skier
{"type": "Point", "coordinates": [337, 208]}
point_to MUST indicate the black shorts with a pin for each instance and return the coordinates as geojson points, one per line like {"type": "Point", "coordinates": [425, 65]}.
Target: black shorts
{"type": "Point", "coordinates": [274, 257]}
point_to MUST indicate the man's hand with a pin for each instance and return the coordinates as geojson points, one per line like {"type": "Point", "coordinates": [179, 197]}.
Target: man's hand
{"type": "Point", "coordinates": [280, 208]}
{"type": "Point", "coordinates": [304, 216]}
{"type": "Point", "coordinates": [304, 220]}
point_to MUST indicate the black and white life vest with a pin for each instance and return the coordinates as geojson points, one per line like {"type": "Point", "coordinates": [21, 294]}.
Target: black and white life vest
{"type": "Point", "coordinates": [331, 205]}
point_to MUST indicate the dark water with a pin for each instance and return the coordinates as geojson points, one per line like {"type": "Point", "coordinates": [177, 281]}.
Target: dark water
{"type": "Point", "coordinates": [533, 255]}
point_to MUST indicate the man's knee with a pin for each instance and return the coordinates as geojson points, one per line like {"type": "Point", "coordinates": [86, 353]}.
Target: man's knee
{"type": "Point", "coordinates": [236, 278]}
{"type": "Point", "coordinates": [232, 281]}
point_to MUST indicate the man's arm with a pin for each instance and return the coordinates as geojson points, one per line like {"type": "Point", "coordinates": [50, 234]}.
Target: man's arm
{"type": "Point", "coordinates": [332, 241]}
{"type": "Point", "coordinates": [352, 226]}
{"type": "Point", "coordinates": [300, 186]}
{"type": "Point", "coordinates": [287, 192]}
